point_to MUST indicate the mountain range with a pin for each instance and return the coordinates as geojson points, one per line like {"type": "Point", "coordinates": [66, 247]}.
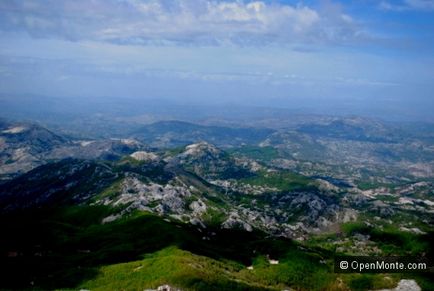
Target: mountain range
{"type": "Point", "coordinates": [247, 208]}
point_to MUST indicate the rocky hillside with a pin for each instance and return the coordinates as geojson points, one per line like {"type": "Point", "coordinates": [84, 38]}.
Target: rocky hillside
{"type": "Point", "coordinates": [24, 146]}
{"type": "Point", "coordinates": [242, 212]}
{"type": "Point", "coordinates": [202, 185]}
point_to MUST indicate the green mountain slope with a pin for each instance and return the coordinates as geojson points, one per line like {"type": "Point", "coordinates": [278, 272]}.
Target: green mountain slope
{"type": "Point", "coordinates": [177, 217]}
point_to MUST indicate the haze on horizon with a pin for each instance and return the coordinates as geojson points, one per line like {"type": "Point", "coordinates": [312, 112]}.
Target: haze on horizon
{"type": "Point", "coordinates": [353, 56]}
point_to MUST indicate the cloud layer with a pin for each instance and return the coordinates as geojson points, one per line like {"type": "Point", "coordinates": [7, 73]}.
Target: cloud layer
{"type": "Point", "coordinates": [265, 51]}
{"type": "Point", "coordinates": [179, 21]}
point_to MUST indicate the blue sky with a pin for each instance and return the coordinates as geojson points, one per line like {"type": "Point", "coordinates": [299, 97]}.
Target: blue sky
{"type": "Point", "coordinates": [266, 52]}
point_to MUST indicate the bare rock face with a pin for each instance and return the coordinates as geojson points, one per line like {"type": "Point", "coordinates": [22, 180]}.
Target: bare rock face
{"type": "Point", "coordinates": [166, 199]}
{"type": "Point", "coordinates": [198, 207]}
{"type": "Point", "coordinates": [144, 156]}
{"type": "Point", "coordinates": [326, 186]}
{"type": "Point", "coordinates": [234, 221]}
{"type": "Point", "coordinates": [173, 199]}
{"type": "Point", "coordinates": [201, 149]}
{"type": "Point", "coordinates": [210, 163]}
{"type": "Point", "coordinates": [405, 285]}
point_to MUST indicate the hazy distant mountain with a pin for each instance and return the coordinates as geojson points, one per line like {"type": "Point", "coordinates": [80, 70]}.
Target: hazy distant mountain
{"type": "Point", "coordinates": [24, 146]}
{"type": "Point", "coordinates": [176, 133]}
{"type": "Point", "coordinates": [357, 145]}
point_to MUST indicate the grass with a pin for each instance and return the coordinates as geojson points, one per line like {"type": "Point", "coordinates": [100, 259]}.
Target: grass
{"type": "Point", "coordinates": [172, 266]}
{"type": "Point", "coordinates": [390, 239]}
{"type": "Point", "coordinates": [192, 272]}
{"type": "Point", "coordinates": [214, 217]}
{"type": "Point", "coordinates": [371, 281]}
{"type": "Point", "coordinates": [284, 181]}
{"type": "Point", "coordinates": [58, 248]}
{"type": "Point", "coordinates": [110, 192]}
{"type": "Point", "coordinates": [296, 269]}
{"type": "Point", "coordinates": [67, 247]}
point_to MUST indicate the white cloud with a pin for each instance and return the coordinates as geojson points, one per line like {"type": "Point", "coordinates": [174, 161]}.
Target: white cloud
{"type": "Point", "coordinates": [405, 5]}
{"type": "Point", "coordinates": [176, 21]}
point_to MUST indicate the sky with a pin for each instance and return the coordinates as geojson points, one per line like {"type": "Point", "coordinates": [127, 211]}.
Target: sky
{"type": "Point", "coordinates": [272, 53]}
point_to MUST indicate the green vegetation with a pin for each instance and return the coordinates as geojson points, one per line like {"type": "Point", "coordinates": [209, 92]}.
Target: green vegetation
{"type": "Point", "coordinates": [64, 246]}
{"type": "Point", "coordinates": [175, 151]}
{"type": "Point", "coordinates": [214, 217]}
{"type": "Point", "coordinates": [371, 281]}
{"type": "Point", "coordinates": [69, 247]}
{"type": "Point", "coordinates": [284, 181]}
{"type": "Point", "coordinates": [192, 272]}
{"type": "Point", "coordinates": [387, 198]}
{"type": "Point", "coordinates": [110, 192]}
{"type": "Point", "coordinates": [367, 185]}
{"type": "Point", "coordinates": [148, 171]}
{"type": "Point", "coordinates": [171, 266]}
{"type": "Point", "coordinates": [265, 154]}
{"type": "Point", "coordinates": [391, 240]}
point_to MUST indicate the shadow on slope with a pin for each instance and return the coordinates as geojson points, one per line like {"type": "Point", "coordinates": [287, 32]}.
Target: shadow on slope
{"type": "Point", "coordinates": [62, 248]}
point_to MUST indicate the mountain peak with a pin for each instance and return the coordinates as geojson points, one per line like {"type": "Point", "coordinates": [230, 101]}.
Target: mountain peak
{"type": "Point", "coordinates": [201, 148]}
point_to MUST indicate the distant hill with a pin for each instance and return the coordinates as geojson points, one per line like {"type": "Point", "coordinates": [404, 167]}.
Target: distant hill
{"type": "Point", "coordinates": [24, 146]}
{"type": "Point", "coordinates": [176, 133]}
{"type": "Point", "coordinates": [357, 129]}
